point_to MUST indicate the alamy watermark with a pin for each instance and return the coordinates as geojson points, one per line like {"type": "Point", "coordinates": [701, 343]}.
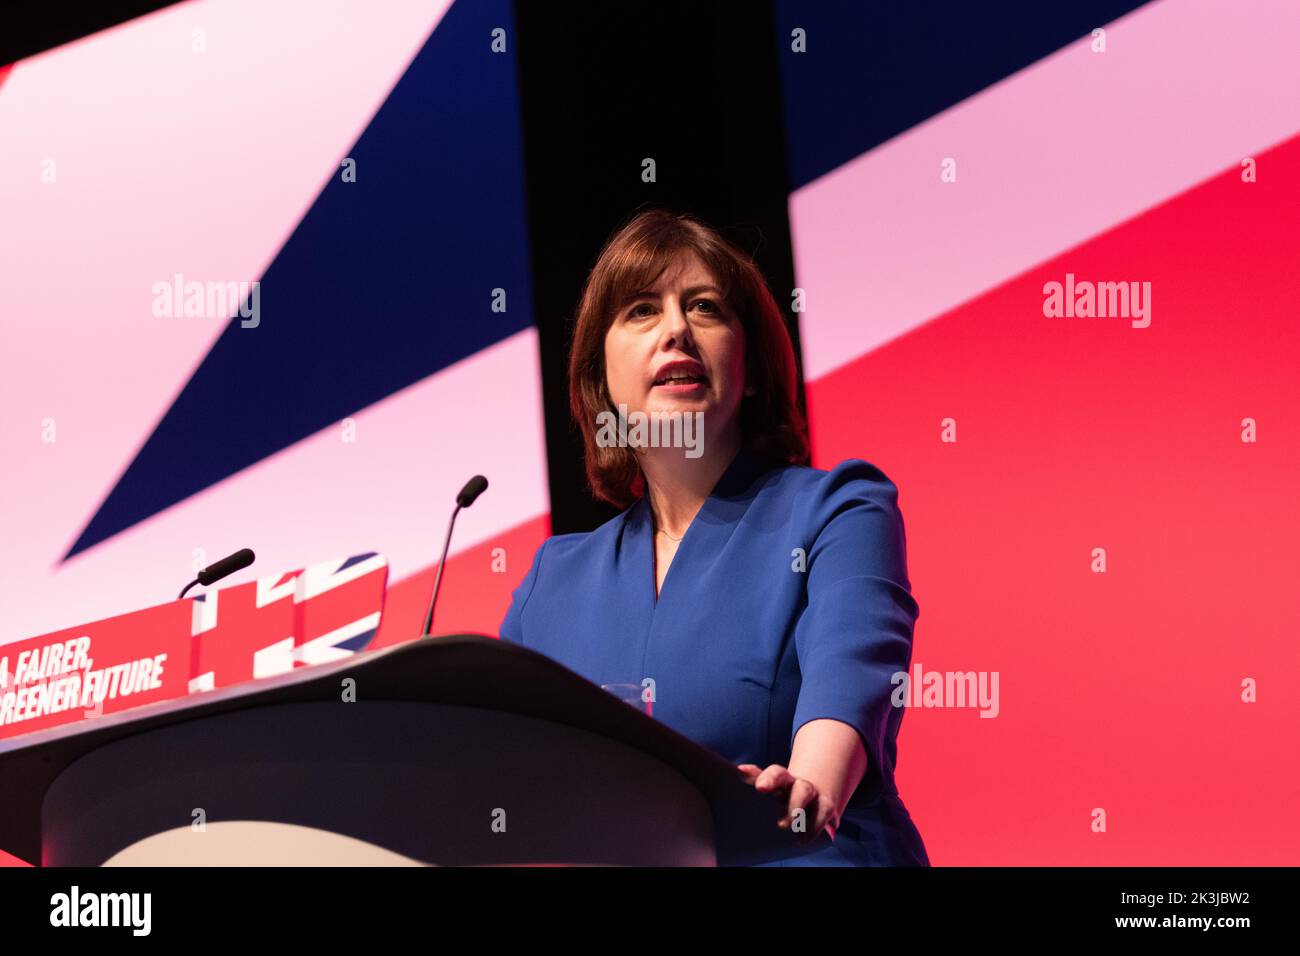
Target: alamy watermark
{"type": "Point", "coordinates": [924, 688]}
{"type": "Point", "coordinates": [208, 300]}
{"type": "Point", "coordinates": [651, 430]}
{"type": "Point", "coordinates": [1102, 300]}
{"type": "Point", "coordinates": [75, 908]}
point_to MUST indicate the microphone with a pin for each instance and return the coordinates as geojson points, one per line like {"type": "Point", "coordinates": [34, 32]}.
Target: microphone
{"type": "Point", "coordinates": [473, 488]}
{"type": "Point", "coordinates": [220, 569]}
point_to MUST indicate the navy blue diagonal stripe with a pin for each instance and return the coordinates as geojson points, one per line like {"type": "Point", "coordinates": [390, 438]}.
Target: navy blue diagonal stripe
{"type": "Point", "coordinates": [385, 281]}
{"type": "Point", "coordinates": [875, 70]}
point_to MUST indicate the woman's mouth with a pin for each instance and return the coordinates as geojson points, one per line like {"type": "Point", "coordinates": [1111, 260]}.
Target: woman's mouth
{"type": "Point", "coordinates": [681, 383]}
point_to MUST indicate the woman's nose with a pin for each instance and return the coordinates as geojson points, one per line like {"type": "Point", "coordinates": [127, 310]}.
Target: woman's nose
{"type": "Point", "coordinates": [676, 329]}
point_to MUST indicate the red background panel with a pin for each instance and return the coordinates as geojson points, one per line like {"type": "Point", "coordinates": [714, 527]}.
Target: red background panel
{"type": "Point", "coordinates": [1119, 690]}
{"type": "Point", "coordinates": [474, 596]}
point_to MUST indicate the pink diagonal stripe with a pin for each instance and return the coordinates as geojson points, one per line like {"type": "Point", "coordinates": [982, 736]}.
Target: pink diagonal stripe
{"type": "Point", "coordinates": [1045, 159]}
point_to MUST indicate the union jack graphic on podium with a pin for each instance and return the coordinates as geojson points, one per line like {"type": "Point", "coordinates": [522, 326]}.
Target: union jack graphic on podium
{"type": "Point", "coordinates": [317, 614]}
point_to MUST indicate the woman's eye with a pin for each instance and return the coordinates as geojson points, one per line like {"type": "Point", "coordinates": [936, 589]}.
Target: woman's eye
{"type": "Point", "coordinates": [712, 308]}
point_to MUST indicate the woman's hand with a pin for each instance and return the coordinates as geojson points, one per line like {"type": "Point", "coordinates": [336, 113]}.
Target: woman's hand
{"type": "Point", "coordinates": [799, 794]}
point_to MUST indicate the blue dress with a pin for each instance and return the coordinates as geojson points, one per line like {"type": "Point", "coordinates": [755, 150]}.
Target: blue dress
{"type": "Point", "coordinates": [787, 600]}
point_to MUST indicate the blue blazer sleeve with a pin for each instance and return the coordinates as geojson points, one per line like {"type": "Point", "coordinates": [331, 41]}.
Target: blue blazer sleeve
{"type": "Point", "coordinates": [856, 632]}
{"type": "Point", "coordinates": [512, 628]}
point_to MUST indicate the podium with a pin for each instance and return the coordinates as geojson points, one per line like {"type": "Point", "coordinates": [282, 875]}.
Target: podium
{"type": "Point", "coordinates": [457, 750]}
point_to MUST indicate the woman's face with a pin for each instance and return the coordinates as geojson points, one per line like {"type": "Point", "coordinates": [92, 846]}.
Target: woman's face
{"type": "Point", "coordinates": [678, 328]}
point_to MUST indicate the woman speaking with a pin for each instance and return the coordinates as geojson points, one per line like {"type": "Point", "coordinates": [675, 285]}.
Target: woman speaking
{"type": "Point", "coordinates": [768, 601]}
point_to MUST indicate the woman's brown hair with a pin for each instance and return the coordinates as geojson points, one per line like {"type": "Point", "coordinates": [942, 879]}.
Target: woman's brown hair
{"type": "Point", "coordinates": [772, 425]}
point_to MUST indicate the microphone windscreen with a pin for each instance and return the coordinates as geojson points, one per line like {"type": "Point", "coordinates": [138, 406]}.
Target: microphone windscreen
{"type": "Point", "coordinates": [228, 565]}
{"type": "Point", "coordinates": [473, 488]}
